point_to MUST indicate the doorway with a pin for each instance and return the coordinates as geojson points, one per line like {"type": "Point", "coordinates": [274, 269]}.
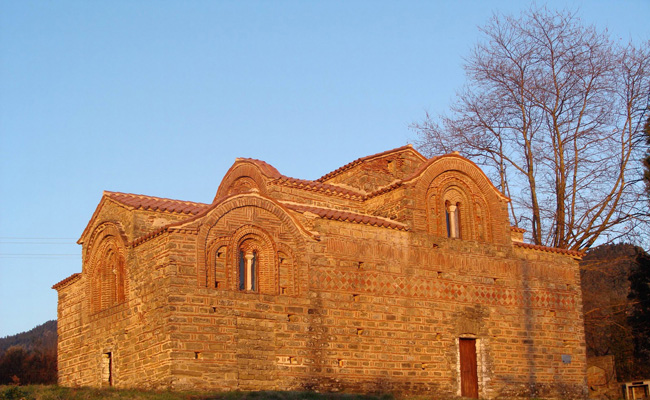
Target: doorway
{"type": "Point", "coordinates": [107, 369]}
{"type": "Point", "coordinates": [468, 368]}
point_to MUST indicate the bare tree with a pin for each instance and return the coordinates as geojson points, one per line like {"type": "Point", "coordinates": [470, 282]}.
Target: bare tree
{"type": "Point", "coordinates": [554, 111]}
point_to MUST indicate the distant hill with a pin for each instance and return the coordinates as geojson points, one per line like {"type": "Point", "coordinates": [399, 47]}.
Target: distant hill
{"type": "Point", "coordinates": [41, 338]}
{"type": "Point", "coordinates": [29, 357]}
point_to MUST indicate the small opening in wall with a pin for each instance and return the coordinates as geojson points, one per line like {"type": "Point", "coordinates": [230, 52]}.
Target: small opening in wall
{"type": "Point", "coordinates": [291, 317]}
{"type": "Point", "coordinates": [197, 355]}
{"type": "Point", "coordinates": [107, 369]}
{"type": "Point", "coordinates": [359, 331]}
{"type": "Point", "coordinates": [551, 313]}
{"type": "Point", "coordinates": [356, 297]}
{"type": "Point", "coordinates": [360, 265]}
{"type": "Point", "coordinates": [340, 362]}
{"type": "Point", "coordinates": [214, 309]}
{"type": "Point", "coordinates": [424, 366]}
{"type": "Point", "coordinates": [439, 274]}
{"type": "Point", "coordinates": [494, 280]}
{"type": "Point", "coordinates": [217, 285]}
{"type": "Point", "coordinates": [293, 360]}
{"type": "Point", "coordinates": [391, 166]}
{"type": "Point", "coordinates": [438, 336]}
{"type": "Point", "coordinates": [283, 290]}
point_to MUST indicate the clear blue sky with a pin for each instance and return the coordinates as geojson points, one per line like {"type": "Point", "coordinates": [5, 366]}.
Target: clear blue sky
{"type": "Point", "coordinates": [160, 97]}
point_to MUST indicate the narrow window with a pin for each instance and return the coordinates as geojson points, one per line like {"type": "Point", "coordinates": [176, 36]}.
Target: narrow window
{"type": "Point", "coordinates": [452, 215]}
{"type": "Point", "coordinates": [247, 270]}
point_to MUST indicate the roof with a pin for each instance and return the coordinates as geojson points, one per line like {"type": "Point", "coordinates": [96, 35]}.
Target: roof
{"type": "Point", "coordinates": [408, 147]}
{"type": "Point", "coordinates": [573, 253]}
{"type": "Point", "coordinates": [266, 168]}
{"type": "Point", "coordinates": [67, 280]}
{"type": "Point", "coordinates": [348, 216]}
{"type": "Point", "coordinates": [147, 203]}
{"type": "Point", "coordinates": [150, 203]}
{"type": "Point", "coordinates": [424, 166]}
{"type": "Point", "coordinates": [317, 186]}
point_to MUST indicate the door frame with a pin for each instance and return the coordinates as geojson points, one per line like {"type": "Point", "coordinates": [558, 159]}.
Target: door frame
{"type": "Point", "coordinates": [479, 362]}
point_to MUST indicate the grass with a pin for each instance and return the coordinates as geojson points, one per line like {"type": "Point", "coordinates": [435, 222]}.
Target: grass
{"type": "Point", "coordinates": [51, 392]}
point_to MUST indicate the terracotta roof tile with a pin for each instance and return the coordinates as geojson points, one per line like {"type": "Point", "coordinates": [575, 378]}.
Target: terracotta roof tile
{"type": "Point", "coordinates": [362, 159]}
{"type": "Point", "coordinates": [316, 186]}
{"type": "Point", "coordinates": [547, 249]}
{"type": "Point", "coordinates": [386, 188]}
{"type": "Point", "coordinates": [266, 168]}
{"type": "Point", "coordinates": [517, 229]}
{"type": "Point", "coordinates": [67, 280]}
{"type": "Point", "coordinates": [150, 203]}
{"type": "Point", "coordinates": [348, 216]}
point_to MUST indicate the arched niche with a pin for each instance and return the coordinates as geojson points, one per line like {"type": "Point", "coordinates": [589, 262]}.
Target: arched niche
{"type": "Point", "coordinates": [105, 267]}
{"type": "Point", "coordinates": [245, 176]}
{"type": "Point", "coordinates": [258, 228]}
{"type": "Point", "coordinates": [454, 186]}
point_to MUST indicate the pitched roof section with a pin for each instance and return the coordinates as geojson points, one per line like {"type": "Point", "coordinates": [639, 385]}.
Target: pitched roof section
{"type": "Point", "coordinates": [150, 203]}
{"type": "Point", "coordinates": [358, 161]}
{"type": "Point", "coordinates": [421, 170]}
{"type": "Point", "coordinates": [266, 168]}
{"type": "Point", "coordinates": [67, 280]}
{"type": "Point", "coordinates": [572, 253]}
{"type": "Point", "coordinates": [347, 216]}
{"type": "Point", "coordinates": [317, 186]}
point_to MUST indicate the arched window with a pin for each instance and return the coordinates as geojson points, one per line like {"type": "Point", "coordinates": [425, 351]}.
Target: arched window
{"type": "Point", "coordinates": [452, 216]}
{"type": "Point", "coordinates": [248, 261]}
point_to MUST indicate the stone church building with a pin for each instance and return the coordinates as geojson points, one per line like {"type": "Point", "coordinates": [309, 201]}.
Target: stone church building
{"type": "Point", "coordinates": [393, 273]}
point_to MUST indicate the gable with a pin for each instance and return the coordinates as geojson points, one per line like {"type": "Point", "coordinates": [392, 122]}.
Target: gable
{"type": "Point", "coordinates": [372, 172]}
{"type": "Point", "coordinates": [139, 214]}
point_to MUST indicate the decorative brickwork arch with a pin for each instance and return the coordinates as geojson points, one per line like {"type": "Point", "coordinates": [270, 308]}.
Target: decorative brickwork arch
{"type": "Point", "coordinates": [291, 243]}
{"type": "Point", "coordinates": [453, 212]}
{"type": "Point", "coordinates": [254, 257]}
{"type": "Point", "coordinates": [245, 175]}
{"type": "Point", "coordinates": [105, 266]}
{"type": "Point", "coordinates": [452, 180]}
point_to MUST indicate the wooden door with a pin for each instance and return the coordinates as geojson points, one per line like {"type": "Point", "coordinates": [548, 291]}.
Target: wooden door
{"type": "Point", "coordinates": [468, 368]}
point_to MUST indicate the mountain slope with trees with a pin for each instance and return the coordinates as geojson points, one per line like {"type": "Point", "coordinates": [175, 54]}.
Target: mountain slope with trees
{"type": "Point", "coordinates": [30, 357]}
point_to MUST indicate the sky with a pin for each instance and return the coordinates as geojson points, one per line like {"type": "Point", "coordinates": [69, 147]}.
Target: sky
{"type": "Point", "coordinates": [159, 98]}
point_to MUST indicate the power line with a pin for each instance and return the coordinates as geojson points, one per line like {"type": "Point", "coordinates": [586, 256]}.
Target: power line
{"type": "Point", "coordinates": [18, 255]}
{"type": "Point", "coordinates": [65, 244]}
{"type": "Point", "coordinates": [34, 238]}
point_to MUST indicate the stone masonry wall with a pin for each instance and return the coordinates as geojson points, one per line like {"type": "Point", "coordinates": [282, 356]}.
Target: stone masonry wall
{"type": "Point", "coordinates": [384, 312]}
{"type": "Point", "coordinates": [133, 332]}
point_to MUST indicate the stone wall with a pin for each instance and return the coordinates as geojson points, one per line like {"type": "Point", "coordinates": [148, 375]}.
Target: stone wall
{"type": "Point", "coordinates": [343, 301]}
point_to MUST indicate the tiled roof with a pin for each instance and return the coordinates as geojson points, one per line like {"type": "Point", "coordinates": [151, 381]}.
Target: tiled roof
{"type": "Point", "coordinates": [386, 188]}
{"type": "Point", "coordinates": [142, 202]}
{"type": "Point", "coordinates": [67, 280]}
{"type": "Point", "coordinates": [348, 216]}
{"type": "Point", "coordinates": [424, 166]}
{"type": "Point", "coordinates": [517, 229]}
{"type": "Point", "coordinates": [366, 158]}
{"type": "Point", "coordinates": [316, 186]}
{"type": "Point", "coordinates": [547, 249]}
{"type": "Point", "coordinates": [266, 168]}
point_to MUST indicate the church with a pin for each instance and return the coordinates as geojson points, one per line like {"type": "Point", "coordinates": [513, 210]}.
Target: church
{"type": "Point", "coordinates": [391, 274]}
